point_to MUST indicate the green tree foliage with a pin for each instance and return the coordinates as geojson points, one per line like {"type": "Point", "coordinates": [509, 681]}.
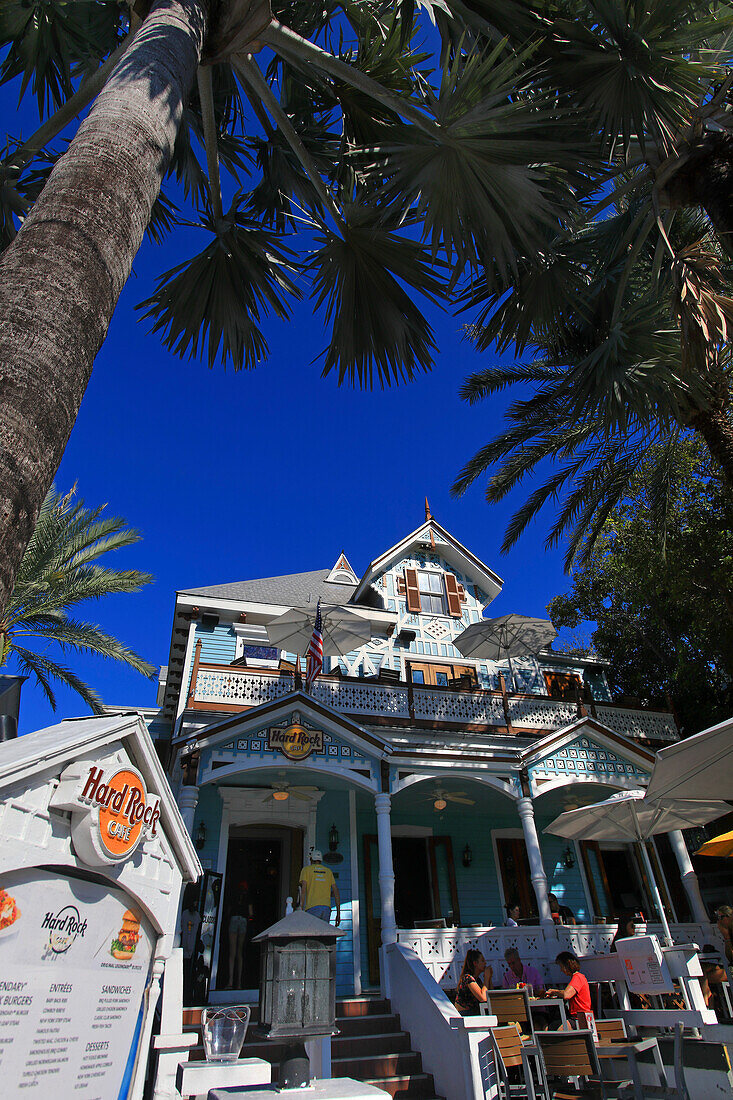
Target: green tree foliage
{"type": "Point", "coordinates": [58, 572]}
{"type": "Point", "coordinates": [658, 585]}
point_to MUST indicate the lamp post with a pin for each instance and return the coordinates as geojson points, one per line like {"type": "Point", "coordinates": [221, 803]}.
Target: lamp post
{"type": "Point", "coordinates": [297, 988]}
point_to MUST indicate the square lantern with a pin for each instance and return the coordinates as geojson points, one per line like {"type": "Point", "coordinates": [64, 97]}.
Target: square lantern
{"type": "Point", "coordinates": [298, 977]}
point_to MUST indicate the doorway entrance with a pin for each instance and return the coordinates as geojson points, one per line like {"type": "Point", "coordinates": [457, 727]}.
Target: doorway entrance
{"type": "Point", "coordinates": [425, 888]}
{"type": "Point", "coordinates": [263, 864]}
{"type": "Point", "coordinates": [516, 882]}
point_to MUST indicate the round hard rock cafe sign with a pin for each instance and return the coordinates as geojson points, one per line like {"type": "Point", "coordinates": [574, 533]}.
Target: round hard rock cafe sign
{"type": "Point", "coordinates": [111, 811]}
{"type": "Point", "coordinates": [295, 741]}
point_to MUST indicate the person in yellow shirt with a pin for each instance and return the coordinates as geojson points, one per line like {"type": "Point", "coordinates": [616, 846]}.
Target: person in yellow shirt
{"type": "Point", "coordinates": [316, 887]}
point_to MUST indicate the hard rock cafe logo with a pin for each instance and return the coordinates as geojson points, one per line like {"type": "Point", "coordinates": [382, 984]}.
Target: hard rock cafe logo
{"type": "Point", "coordinates": [295, 741]}
{"type": "Point", "coordinates": [110, 809]}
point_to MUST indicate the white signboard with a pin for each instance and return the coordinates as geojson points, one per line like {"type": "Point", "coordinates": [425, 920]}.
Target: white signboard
{"type": "Point", "coordinates": [644, 965]}
{"type": "Point", "coordinates": [74, 962]}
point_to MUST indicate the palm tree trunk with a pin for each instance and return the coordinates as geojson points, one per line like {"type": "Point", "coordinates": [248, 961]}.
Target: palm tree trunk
{"type": "Point", "coordinates": [62, 275]}
{"type": "Point", "coordinates": [714, 425]}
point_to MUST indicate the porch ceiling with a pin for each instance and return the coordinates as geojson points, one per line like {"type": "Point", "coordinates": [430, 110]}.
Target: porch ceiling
{"type": "Point", "coordinates": [295, 775]}
{"type": "Point", "coordinates": [417, 796]}
{"type": "Point", "coordinates": [559, 799]}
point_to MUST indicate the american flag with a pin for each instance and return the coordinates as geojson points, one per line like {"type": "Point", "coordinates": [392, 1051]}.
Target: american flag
{"type": "Point", "coordinates": [315, 650]}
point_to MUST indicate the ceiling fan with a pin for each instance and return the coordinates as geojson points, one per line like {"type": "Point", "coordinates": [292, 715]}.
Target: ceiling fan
{"type": "Point", "coordinates": [282, 790]}
{"type": "Point", "coordinates": [440, 798]}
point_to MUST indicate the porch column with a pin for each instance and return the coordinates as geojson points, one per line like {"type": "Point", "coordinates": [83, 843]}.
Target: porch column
{"type": "Point", "coordinates": [188, 800]}
{"type": "Point", "coordinates": [382, 804]}
{"type": "Point", "coordinates": [688, 876]}
{"type": "Point", "coordinates": [534, 855]}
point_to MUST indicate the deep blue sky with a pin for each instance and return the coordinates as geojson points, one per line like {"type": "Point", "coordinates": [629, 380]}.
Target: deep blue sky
{"type": "Point", "coordinates": [230, 476]}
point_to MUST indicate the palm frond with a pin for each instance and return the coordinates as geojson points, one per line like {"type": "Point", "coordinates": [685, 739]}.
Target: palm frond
{"type": "Point", "coordinates": [494, 174]}
{"type": "Point", "coordinates": [51, 41]}
{"type": "Point", "coordinates": [45, 670]}
{"type": "Point", "coordinates": [218, 298]}
{"type": "Point", "coordinates": [376, 325]}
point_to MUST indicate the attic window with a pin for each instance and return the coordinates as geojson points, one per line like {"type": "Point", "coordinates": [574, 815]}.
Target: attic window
{"type": "Point", "coordinates": [432, 593]}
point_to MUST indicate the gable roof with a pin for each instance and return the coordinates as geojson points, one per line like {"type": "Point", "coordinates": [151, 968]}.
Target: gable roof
{"type": "Point", "coordinates": [336, 722]}
{"type": "Point", "coordinates": [454, 552]}
{"type": "Point", "coordinates": [624, 746]}
{"type": "Point", "coordinates": [290, 590]}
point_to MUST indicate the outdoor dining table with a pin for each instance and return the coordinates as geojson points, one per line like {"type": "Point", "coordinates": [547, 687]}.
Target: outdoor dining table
{"type": "Point", "coordinates": [551, 1002]}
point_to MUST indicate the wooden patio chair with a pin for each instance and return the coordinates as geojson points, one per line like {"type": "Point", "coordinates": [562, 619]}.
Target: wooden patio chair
{"type": "Point", "coordinates": [572, 1054]}
{"type": "Point", "coordinates": [511, 1006]}
{"type": "Point", "coordinates": [512, 1060]}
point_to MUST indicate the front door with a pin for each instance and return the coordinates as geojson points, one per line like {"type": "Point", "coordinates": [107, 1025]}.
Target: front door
{"type": "Point", "coordinates": [263, 864]}
{"type": "Point", "coordinates": [425, 887]}
{"type": "Point", "coordinates": [515, 876]}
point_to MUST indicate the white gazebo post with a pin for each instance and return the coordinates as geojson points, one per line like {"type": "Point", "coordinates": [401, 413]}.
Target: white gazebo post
{"type": "Point", "coordinates": [382, 803]}
{"type": "Point", "coordinates": [688, 876]}
{"type": "Point", "coordinates": [525, 809]}
{"type": "Point", "coordinates": [188, 800]}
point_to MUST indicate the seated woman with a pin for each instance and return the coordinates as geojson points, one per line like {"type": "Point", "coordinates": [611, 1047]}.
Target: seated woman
{"type": "Point", "coordinates": [576, 993]}
{"type": "Point", "coordinates": [475, 979]}
{"type": "Point", "coordinates": [512, 914]}
{"type": "Point", "coordinates": [713, 974]}
{"type": "Point", "coordinates": [626, 928]}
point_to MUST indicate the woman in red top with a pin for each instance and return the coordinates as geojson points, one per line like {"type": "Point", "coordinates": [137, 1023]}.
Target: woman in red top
{"type": "Point", "coordinates": [577, 992]}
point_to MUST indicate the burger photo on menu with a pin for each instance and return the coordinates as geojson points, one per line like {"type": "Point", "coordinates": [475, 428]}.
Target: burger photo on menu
{"type": "Point", "coordinates": [9, 911]}
{"type": "Point", "coordinates": [123, 947]}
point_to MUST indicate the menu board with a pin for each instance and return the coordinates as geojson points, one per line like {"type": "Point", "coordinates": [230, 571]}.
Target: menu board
{"type": "Point", "coordinates": [644, 965]}
{"type": "Point", "coordinates": [74, 961]}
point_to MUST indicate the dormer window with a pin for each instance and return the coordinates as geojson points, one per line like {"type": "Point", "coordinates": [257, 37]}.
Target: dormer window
{"type": "Point", "coordinates": [432, 593]}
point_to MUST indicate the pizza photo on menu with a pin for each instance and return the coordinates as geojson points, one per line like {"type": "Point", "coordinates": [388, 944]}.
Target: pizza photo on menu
{"type": "Point", "coordinates": [9, 911]}
{"type": "Point", "coordinates": [123, 946]}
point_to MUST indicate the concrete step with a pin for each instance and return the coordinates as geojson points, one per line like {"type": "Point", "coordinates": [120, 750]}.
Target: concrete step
{"type": "Point", "coordinates": [362, 1006]}
{"type": "Point", "coordinates": [377, 1065]}
{"type": "Point", "coordinates": [406, 1086]}
{"type": "Point", "coordinates": [376, 1023]}
{"type": "Point", "coordinates": [360, 1046]}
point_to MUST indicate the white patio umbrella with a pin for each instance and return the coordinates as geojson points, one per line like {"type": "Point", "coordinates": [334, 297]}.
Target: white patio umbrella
{"type": "Point", "coordinates": [342, 630]}
{"type": "Point", "coordinates": [701, 766]}
{"type": "Point", "coordinates": [632, 816]}
{"type": "Point", "coordinates": [505, 637]}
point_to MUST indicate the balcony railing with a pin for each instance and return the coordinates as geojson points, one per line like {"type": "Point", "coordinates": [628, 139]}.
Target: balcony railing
{"type": "Point", "coordinates": [221, 687]}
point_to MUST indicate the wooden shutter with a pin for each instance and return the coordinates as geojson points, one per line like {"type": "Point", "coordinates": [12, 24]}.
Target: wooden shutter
{"type": "Point", "coordinates": [401, 590]}
{"type": "Point", "coordinates": [412, 590]}
{"type": "Point", "coordinates": [454, 599]}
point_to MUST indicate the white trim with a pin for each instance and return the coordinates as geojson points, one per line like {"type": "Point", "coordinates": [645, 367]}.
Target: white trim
{"type": "Point", "coordinates": [183, 692]}
{"type": "Point", "coordinates": [447, 546]}
{"type": "Point", "coordinates": [451, 772]}
{"type": "Point", "coordinates": [217, 776]}
{"type": "Point", "coordinates": [355, 922]}
{"type": "Point", "coordinates": [267, 611]}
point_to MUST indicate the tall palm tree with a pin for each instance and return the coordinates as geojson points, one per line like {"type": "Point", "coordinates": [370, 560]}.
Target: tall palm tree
{"type": "Point", "coordinates": [58, 572]}
{"type": "Point", "coordinates": [342, 124]}
{"type": "Point", "coordinates": [412, 168]}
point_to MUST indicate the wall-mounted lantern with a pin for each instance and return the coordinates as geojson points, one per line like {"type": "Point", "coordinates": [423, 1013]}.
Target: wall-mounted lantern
{"type": "Point", "coordinates": [333, 838]}
{"type": "Point", "coordinates": [568, 858]}
{"type": "Point", "coordinates": [201, 837]}
{"type": "Point", "coordinates": [467, 856]}
{"type": "Point", "coordinates": [297, 988]}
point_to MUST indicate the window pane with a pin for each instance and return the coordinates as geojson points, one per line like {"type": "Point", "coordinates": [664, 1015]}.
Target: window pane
{"type": "Point", "coordinates": [441, 679]}
{"type": "Point", "coordinates": [418, 676]}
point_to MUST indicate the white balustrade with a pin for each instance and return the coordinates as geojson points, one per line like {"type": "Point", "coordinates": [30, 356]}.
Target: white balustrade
{"type": "Point", "coordinates": [243, 687]}
{"type": "Point", "coordinates": [539, 713]}
{"type": "Point", "coordinates": [442, 950]}
{"type": "Point", "coordinates": [458, 706]}
{"type": "Point", "coordinates": [658, 725]}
